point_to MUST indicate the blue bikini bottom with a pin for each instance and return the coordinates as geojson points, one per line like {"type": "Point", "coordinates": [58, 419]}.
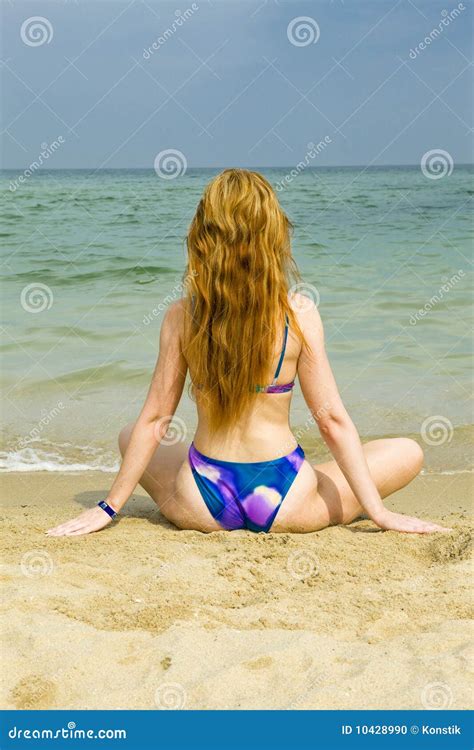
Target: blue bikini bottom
{"type": "Point", "coordinates": [244, 495]}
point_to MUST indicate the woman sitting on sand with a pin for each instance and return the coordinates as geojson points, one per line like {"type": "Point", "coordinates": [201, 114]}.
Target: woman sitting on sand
{"type": "Point", "coordinates": [244, 337]}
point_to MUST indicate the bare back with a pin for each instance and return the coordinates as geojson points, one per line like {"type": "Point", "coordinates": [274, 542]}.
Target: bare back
{"type": "Point", "coordinates": [264, 432]}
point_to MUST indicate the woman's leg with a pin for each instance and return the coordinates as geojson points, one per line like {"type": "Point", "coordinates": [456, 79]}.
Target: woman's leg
{"type": "Point", "coordinates": [170, 483]}
{"type": "Point", "coordinates": [320, 495]}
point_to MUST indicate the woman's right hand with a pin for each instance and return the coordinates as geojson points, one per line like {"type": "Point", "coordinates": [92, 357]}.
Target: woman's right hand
{"type": "Point", "coordinates": [389, 521]}
{"type": "Point", "coordinates": [93, 519]}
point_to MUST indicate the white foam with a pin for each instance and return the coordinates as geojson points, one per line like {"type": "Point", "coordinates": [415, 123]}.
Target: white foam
{"type": "Point", "coordinates": [446, 473]}
{"type": "Point", "coordinates": [37, 459]}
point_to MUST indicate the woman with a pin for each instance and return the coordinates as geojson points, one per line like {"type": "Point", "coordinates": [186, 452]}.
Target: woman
{"type": "Point", "coordinates": [244, 338]}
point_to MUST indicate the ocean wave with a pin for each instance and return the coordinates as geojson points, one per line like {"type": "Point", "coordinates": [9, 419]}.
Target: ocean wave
{"type": "Point", "coordinates": [446, 473]}
{"type": "Point", "coordinates": [137, 272]}
{"type": "Point", "coordinates": [73, 459]}
{"type": "Point", "coordinates": [69, 458]}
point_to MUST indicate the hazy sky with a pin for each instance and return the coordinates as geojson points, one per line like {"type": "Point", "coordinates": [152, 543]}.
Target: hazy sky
{"type": "Point", "coordinates": [236, 83]}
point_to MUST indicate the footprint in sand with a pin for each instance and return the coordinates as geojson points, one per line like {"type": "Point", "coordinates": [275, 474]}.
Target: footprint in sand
{"type": "Point", "coordinates": [260, 662]}
{"type": "Point", "coordinates": [33, 692]}
{"type": "Point", "coordinates": [451, 547]}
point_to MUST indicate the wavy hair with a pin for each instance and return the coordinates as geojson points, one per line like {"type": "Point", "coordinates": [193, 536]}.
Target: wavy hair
{"type": "Point", "coordinates": [239, 272]}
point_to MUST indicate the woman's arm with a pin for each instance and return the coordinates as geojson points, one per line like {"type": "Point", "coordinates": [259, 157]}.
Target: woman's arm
{"type": "Point", "coordinates": [161, 402]}
{"type": "Point", "coordinates": [337, 429]}
{"type": "Point", "coordinates": [160, 405]}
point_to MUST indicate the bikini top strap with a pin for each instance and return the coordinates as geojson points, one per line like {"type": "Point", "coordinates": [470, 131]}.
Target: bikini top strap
{"type": "Point", "coordinates": [283, 350]}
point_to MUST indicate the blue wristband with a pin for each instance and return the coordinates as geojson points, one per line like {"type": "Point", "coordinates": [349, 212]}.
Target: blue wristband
{"type": "Point", "coordinates": [105, 506]}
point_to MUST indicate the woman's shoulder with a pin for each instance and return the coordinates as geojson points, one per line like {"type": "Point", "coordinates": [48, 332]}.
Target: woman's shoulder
{"type": "Point", "coordinates": [176, 310]}
{"type": "Point", "coordinates": [173, 320]}
{"type": "Point", "coordinates": [305, 308]}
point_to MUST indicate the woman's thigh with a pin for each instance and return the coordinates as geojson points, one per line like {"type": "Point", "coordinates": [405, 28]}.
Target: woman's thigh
{"type": "Point", "coordinates": [320, 496]}
{"type": "Point", "coordinates": [170, 483]}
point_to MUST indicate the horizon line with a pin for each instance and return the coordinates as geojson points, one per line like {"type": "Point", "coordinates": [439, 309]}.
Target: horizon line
{"type": "Point", "coordinates": [268, 166]}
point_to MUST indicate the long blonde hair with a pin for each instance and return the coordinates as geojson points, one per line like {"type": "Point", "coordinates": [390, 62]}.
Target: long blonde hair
{"type": "Point", "coordinates": [238, 276]}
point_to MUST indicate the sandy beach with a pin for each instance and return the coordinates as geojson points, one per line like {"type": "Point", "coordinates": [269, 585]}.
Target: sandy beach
{"type": "Point", "coordinates": [145, 616]}
{"type": "Point", "coordinates": [357, 117]}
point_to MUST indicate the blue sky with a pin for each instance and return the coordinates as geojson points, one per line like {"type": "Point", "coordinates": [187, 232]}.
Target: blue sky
{"type": "Point", "coordinates": [230, 87]}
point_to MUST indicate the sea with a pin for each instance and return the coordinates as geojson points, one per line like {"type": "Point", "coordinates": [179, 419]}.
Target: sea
{"type": "Point", "coordinates": [91, 259]}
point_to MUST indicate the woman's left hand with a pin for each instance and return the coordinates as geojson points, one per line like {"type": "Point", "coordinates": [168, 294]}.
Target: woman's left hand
{"type": "Point", "coordinates": [91, 520]}
{"type": "Point", "coordinates": [390, 521]}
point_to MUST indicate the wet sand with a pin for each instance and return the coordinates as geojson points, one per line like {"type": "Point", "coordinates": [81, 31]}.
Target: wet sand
{"type": "Point", "coordinates": [142, 615]}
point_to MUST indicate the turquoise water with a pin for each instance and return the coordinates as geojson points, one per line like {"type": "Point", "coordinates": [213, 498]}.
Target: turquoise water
{"type": "Point", "coordinates": [87, 257]}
